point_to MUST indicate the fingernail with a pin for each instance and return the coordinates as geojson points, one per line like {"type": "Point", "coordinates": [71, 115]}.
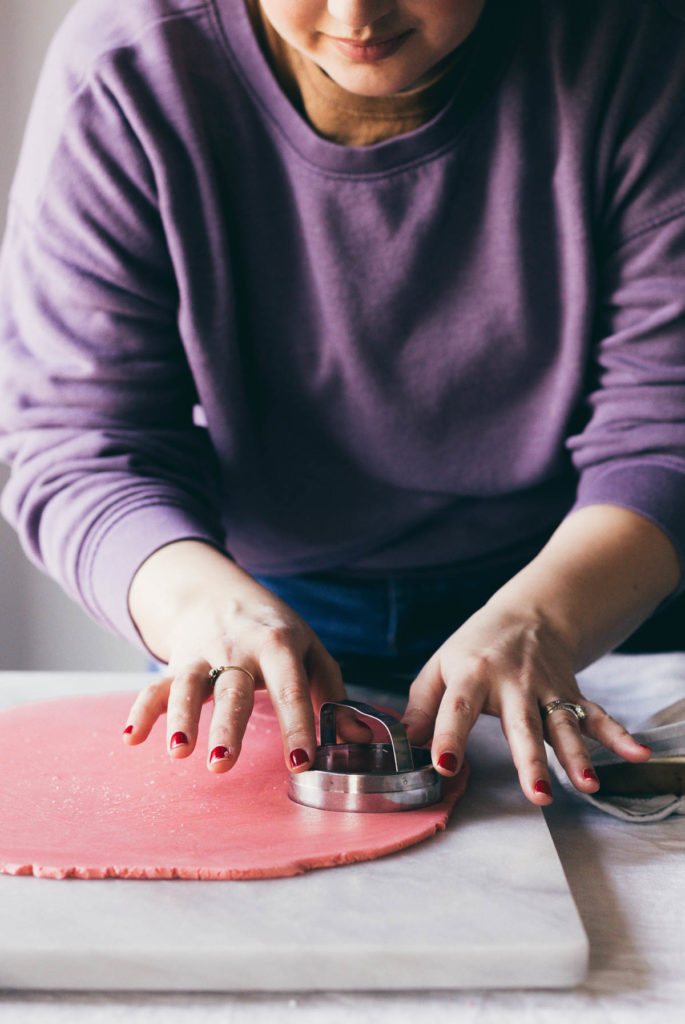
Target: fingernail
{"type": "Point", "coordinates": [178, 739]}
{"type": "Point", "coordinates": [645, 747]}
{"type": "Point", "coordinates": [448, 762]}
{"type": "Point", "coordinates": [542, 786]}
{"type": "Point", "coordinates": [298, 757]}
{"type": "Point", "coordinates": [128, 730]}
{"type": "Point", "coordinates": [219, 754]}
{"type": "Point", "coordinates": [589, 775]}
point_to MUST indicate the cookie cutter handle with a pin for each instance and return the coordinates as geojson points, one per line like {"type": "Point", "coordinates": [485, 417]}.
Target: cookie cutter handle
{"type": "Point", "coordinates": [401, 750]}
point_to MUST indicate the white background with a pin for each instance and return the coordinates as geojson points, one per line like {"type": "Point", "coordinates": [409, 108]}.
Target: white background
{"type": "Point", "coordinates": [40, 628]}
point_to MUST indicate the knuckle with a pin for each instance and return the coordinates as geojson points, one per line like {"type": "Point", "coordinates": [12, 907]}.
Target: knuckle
{"type": "Point", "coordinates": [237, 691]}
{"type": "Point", "coordinates": [229, 705]}
{"type": "Point", "coordinates": [462, 707]}
{"type": "Point", "coordinates": [564, 721]}
{"type": "Point", "coordinates": [279, 637]}
{"type": "Point", "coordinates": [478, 666]}
{"type": "Point", "coordinates": [290, 693]}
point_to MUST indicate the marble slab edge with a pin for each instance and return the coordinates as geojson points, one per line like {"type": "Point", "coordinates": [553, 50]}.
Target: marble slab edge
{"type": "Point", "coordinates": [304, 969]}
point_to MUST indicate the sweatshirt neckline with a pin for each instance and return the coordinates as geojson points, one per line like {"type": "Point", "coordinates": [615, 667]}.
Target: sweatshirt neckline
{"type": "Point", "coordinates": [343, 116]}
{"type": "Point", "coordinates": [490, 46]}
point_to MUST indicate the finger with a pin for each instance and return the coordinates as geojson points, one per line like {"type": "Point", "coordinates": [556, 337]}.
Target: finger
{"type": "Point", "coordinates": [350, 729]}
{"type": "Point", "coordinates": [611, 734]}
{"type": "Point", "coordinates": [188, 692]}
{"type": "Point", "coordinates": [459, 708]}
{"type": "Point", "coordinates": [522, 727]}
{"type": "Point", "coordinates": [233, 703]}
{"type": "Point", "coordinates": [326, 683]}
{"type": "Point", "coordinates": [145, 710]}
{"type": "Point", "coordinates": [288, 685]}
{"type": "Point", "coordinates": [564, 735]}
{"type": "Point", "coordinates": [425, 695]}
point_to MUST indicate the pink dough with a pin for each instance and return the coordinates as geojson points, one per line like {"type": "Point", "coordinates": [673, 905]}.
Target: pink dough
{"type": "Point", "coordinates": [75, 801]}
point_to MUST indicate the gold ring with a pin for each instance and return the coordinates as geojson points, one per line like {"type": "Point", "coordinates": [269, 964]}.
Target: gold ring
{"type": "Point", "coordinates": [214, 673]}
{"type": "Point", "coordinates": [564, 705]}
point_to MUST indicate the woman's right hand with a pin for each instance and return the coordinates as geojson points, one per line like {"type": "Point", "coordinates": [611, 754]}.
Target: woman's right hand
{"type": "Point", "coordinates": [196, 609]}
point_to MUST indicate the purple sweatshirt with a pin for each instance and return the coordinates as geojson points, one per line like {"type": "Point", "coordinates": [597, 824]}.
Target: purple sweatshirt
{"type": "Point", "coordinates": [216, 324]}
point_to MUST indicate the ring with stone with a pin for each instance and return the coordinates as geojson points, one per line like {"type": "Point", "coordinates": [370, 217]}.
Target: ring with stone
{"type": "Point", "coordinates": [214, 673]}
{"type": "Point", "coordinates": [564, 705]}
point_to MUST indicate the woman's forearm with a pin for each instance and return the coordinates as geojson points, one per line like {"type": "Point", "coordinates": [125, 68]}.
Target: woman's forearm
{"type": "Point", "coordinates": [600, 576]}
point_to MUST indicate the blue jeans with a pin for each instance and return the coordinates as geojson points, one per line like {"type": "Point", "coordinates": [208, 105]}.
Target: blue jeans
{"type": "Point", "coordinates": [383, 629]}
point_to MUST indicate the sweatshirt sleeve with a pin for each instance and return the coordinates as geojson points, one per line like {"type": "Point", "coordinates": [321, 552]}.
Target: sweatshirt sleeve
{"type": "Point", "coordinates": [631, 451]}
{"type": "Point", "coordinates": [97, 414]}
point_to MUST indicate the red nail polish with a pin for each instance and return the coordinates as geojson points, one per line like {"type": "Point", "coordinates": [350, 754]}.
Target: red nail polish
{"type": "Point", "coordinates": [448, 762]}
{"type": "Point", "coordinates": [589, 775]}
{"type": "Point", "coordinates": [645, 747]}
{"type": "Point", "coordinates": [219, 754]}
{"type": "Point", "coordinates": [128, 730]}
{"type": "Point", "coordinates": [298, 757]}
{"type": "Point", "coordinates": [542, 786]}
{"type": "Point", "coordinates": [178, 740]}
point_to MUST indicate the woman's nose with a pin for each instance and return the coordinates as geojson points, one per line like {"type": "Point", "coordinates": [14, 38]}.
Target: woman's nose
{"type": "Point", "coordinates": [357, 14]}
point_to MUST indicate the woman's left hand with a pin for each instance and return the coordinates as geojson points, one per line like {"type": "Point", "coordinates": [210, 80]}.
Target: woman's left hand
{"type": "Point", "coordinates": [510, 663]}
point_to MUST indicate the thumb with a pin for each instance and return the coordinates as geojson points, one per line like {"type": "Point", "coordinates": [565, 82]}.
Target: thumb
{"type": "Point", "coordinates": [425, 695]}
{"type": "Point", "coordinates": [326, 683]}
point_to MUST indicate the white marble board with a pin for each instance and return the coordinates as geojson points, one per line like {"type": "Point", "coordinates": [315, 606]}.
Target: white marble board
{"type": "Point", "coordinates": [483, 905]}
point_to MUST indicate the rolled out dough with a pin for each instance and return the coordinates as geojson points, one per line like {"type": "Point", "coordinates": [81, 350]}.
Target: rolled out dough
{"type": "Point", "coordinates": [75, 801]}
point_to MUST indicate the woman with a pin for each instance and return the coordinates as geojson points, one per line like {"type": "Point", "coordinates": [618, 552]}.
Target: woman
{"type": "Point", "coordinates": [344, 340]}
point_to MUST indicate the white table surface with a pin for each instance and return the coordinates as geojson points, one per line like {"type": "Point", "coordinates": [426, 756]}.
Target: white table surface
{"type": "Point", "coordinates": [628, 881]}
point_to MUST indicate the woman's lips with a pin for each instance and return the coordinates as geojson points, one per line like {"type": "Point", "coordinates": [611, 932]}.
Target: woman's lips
{"type": "Point", "coordinates": [369, 52]}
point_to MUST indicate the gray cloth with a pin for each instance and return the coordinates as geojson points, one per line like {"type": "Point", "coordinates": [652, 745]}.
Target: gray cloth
{"type": "Point", "coordinates": [664, 732]}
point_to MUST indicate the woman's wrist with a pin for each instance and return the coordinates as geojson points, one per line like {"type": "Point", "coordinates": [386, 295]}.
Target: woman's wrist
{"type": "Point", "coordinates": [174, 580]}
{"type": "Point", "coordinates": [602, 574]}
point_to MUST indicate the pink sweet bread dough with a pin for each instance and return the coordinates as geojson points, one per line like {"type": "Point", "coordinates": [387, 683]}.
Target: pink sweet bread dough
{"type": "Point", "coordinates": [75, 801]}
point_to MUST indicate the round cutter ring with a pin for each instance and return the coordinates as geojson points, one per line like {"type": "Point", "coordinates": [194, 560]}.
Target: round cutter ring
{"type": "Point", "coordinates": [366, 777]}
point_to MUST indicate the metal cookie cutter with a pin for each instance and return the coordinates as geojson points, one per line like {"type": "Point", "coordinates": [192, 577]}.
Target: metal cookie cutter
{"type": "Point", "coordinates": [368, 777]}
